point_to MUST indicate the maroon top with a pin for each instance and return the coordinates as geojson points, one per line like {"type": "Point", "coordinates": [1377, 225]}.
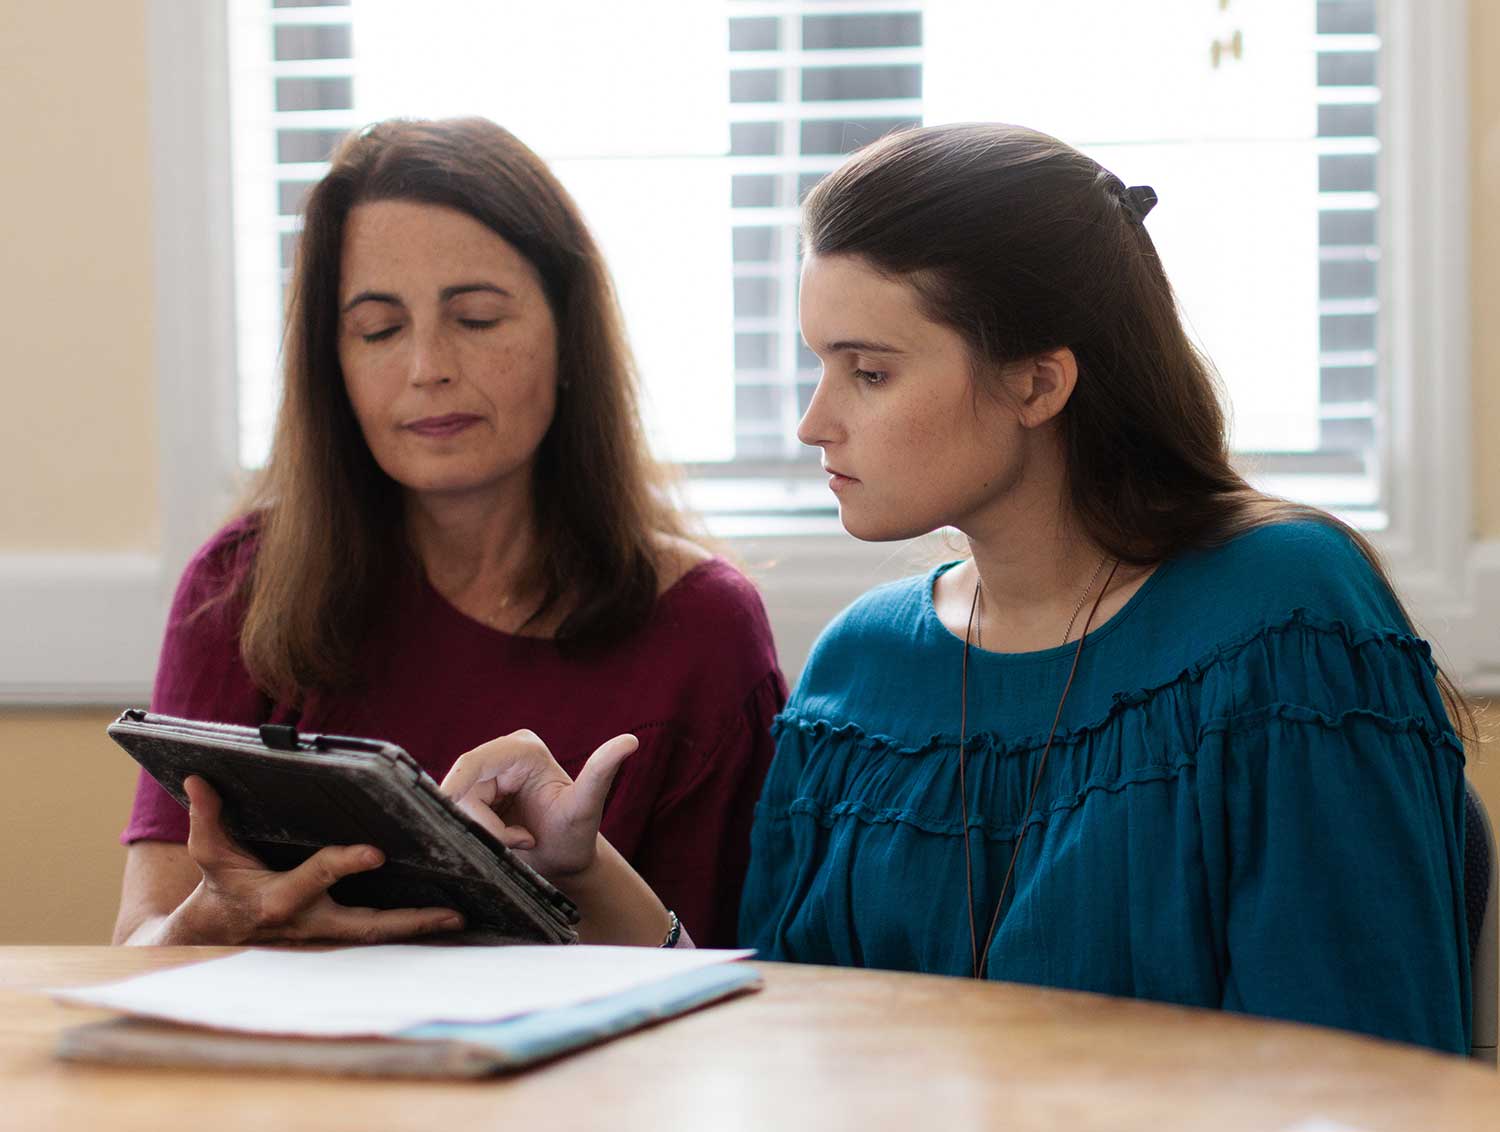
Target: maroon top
{"type": "Point", "coordinates": [698, 685]}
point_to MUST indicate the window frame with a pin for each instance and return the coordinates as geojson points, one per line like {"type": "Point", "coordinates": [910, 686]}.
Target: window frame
{"type": "Point", "coordinates": [89, 624]}
{"type": "Point", "coordinates": [1449, 579]}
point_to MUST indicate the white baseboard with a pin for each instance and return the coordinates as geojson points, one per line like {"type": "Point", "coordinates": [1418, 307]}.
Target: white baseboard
{"type": "Point", "coordinates": [85, 628]}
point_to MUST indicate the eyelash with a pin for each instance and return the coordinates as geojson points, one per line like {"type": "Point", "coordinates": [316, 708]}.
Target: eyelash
{"type": "Point", "coordinates": [466, 323]}
{"type": "Point", "coordinates": [871, 377]}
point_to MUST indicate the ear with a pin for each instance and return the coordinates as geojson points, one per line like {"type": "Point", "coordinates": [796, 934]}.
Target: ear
{"type": "Point", "coordinates": [1043, 385]}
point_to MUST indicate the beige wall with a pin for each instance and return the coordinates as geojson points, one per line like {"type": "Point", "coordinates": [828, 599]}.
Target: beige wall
{"type": "Point", "coordinates": [77, 440]}
{"type": "Point", "coordinates": [78, 446]}
{"type": "Point", "coordinates": [62, 809]}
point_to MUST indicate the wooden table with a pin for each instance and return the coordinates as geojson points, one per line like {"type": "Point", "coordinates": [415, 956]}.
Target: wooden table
{"type": "Point", "coordinates": [818, 1048]}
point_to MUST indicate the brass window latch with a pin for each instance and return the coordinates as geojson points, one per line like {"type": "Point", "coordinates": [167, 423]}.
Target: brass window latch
{"type": "Point", "coordinates": [1234, 47]}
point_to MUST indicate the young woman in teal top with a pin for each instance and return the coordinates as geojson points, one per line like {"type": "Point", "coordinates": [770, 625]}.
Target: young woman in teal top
{"type": "Point", "coordinates": [1158, 735]}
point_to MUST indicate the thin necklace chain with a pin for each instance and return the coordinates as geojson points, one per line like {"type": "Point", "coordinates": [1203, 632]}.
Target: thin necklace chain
{"type": "Point", "coordinates": [1068, 632]}
{"type": "Point", "coordinates": [1083, 597]}
{"type": "Point", "coordinates": [981, 959]}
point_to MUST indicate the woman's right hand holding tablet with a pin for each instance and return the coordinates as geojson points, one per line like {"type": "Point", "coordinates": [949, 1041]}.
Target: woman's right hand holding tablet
{"type": "Point", "coordinates": [240, 901]}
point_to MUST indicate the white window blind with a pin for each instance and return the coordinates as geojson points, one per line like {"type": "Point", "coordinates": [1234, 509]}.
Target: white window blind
{"type": "Point", "coordinates": [688, 130]}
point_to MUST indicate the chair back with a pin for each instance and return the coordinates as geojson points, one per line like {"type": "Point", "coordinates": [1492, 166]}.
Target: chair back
{"type": "Point", "coordinates": [1481, 880]}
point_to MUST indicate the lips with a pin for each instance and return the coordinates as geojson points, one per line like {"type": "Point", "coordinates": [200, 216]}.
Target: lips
{"type": "Point", "coordinates": [450, 424]}
{"type": "Point", "coordinates": [838, 481]}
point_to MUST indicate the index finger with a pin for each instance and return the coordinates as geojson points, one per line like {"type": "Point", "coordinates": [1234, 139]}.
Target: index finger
{"type": "Point", "coordinates": [488, 760]}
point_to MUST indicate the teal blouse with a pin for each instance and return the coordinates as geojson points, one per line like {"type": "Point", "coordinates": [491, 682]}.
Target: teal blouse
{"type": "Point", "coordinates": [1254, 800]}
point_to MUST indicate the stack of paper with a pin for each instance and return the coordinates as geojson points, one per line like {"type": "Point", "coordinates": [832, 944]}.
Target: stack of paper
{"type": "Point", "coordinates": [433, 1010]}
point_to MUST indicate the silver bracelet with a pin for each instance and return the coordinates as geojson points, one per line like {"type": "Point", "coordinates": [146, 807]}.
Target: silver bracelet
{"type": "Point", "coordinates": [674, 930]}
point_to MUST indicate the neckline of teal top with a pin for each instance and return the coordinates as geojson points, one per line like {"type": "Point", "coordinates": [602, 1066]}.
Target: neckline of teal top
{"type": "Point", "coordinates": [1095, 634]}
{"type": "Point", "coordinates": [889, 668]}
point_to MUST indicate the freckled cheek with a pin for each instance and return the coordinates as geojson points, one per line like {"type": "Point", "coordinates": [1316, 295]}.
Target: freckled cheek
{"type": "Point", "coordinates": [362, 397]}
{"type": "Point", "coordinates": [380, 421]}
{"type": "Point", "coordinates": [913, 438]}
{"type": "Point", "coordinates": [519, 375]}
{"type": "Point", "coordinates": [523, 400]}
{"type": "Point", "coordinates": [372, 384]}
{"type": "Point", "coordinates": [927, 457]}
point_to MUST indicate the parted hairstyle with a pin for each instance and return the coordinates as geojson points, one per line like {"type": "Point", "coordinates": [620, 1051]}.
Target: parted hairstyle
{"type": "Point", "coordinates": [1023, 245]}
{"type": "Point", "coordinates": [330, 536]}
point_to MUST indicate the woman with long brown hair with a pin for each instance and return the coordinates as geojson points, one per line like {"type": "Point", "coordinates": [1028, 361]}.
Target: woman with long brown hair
{"type": "Point", "coordinates": [459, 532]}
{"type": "Point", "coordinates": [1159, 734]}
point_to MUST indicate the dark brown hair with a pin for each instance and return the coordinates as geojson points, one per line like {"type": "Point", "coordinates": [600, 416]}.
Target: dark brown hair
{"type": "Point", "coordinates": [331, 537]}
{"type": "Point", "coordinates": [1024, 245]}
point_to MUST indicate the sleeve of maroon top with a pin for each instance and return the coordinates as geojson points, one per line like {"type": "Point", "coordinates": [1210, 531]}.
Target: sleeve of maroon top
{"type": "Point", "coordinates": [697, 846]}
{"type": "Point", "coordinates": [200, 674]}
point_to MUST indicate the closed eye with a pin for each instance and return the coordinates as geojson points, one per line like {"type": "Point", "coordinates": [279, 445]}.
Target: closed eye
{"type": "Point", "coordinates": [478, 323]}
{"type": "Point", "coordinates": [380, 335]}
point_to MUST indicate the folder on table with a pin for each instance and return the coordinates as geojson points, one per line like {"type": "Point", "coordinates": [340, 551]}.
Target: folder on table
{"type": "Point", "coordinates": [466, 1049]}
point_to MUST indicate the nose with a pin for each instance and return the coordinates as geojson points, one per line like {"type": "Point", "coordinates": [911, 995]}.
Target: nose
{"type": "Point", "coordinates": [818, 426]}
{"type": "Point", "coordinates": [432, 360]}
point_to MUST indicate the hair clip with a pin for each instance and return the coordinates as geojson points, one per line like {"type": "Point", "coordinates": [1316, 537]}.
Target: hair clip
{"type": "Point", "coordinates": [1138, 201]}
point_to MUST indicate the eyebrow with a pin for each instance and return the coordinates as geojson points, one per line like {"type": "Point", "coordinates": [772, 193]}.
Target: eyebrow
{"type": "Point", "coordinates": [444, 295]}
{"type": "Point", "coordinates": [371, 297]}
{"type": "Point", "coordinates": [862, 346]}
{"type": "Point", "coordinates": [469, 288]}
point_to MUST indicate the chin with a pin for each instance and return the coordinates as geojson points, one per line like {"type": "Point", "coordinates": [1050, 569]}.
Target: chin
{"type": "Point", "coordinates": [880, 528]}
{"type": "Point", "coordinates": [455, 475]}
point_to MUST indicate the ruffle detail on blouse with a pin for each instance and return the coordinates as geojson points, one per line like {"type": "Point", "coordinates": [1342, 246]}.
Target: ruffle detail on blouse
{"type": "Point", "coordinates": [1304, 671]}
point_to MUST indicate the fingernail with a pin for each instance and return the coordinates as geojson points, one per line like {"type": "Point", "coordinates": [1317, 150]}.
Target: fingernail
{"type": "Point", "coordinates": [451, 923]}
{"type": "Point", "coordinates": [372, 857]}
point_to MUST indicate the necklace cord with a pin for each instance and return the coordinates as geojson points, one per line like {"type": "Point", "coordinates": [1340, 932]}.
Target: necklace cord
{"type": "Point", "coordinates": [980, 964]}
{"type": "Point", "coordinates": [963, 786]}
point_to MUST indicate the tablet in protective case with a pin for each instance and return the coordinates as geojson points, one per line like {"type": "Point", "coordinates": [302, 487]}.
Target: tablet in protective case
{"type": "Point", "coordinates": [286, 795]}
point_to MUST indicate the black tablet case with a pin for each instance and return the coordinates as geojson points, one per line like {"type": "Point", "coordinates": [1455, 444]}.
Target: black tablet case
{"type": "Point", "coordinates": [287, 794]}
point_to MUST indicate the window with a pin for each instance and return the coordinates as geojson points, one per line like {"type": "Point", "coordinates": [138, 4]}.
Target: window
{"type": "Point", "coordinates": [807, 86]}
{"type": "Point", "coordinates": [1259, 124]}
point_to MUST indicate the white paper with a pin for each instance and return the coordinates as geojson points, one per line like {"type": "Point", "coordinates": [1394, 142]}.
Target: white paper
{"type": "Point", "coordinates": [383, 990]}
